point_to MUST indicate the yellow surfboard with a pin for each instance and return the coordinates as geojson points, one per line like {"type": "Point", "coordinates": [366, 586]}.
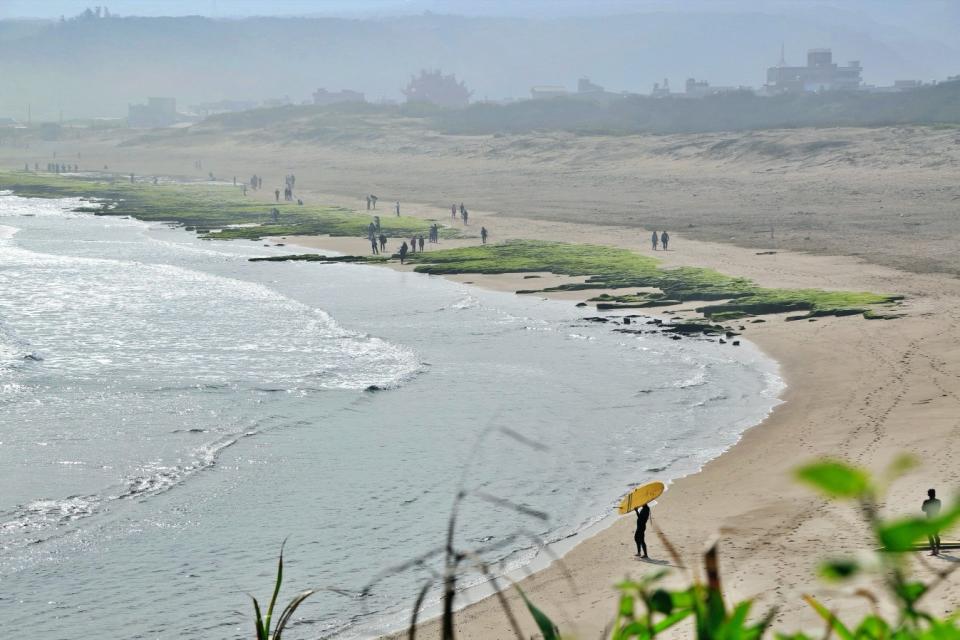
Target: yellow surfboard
{"type": "Point", "coordinates": [641, 496]}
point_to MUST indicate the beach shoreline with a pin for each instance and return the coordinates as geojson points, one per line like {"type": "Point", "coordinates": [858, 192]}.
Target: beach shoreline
{"type": "Point", "coordinates": [830, 370]}
{"type": "Point", "coordinates": [856, 389]}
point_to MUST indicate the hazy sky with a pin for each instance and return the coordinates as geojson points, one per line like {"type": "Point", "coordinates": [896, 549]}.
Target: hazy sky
{"type": "Point", "coordinates": [527, 8]}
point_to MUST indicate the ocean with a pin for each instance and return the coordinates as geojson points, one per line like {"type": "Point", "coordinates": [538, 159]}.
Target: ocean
{"type": "Point", "coordinates": [171, 412]}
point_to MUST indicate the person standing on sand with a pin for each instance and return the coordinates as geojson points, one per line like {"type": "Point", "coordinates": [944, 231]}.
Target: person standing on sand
{"type": "Point", "coordinates": [453, 211]}
{"type": "Point", "coordinates": [420, 242]}
{"type": "Point", "coordinates": [276, 194]}
{"type": "Point", "coordinates": [373, 246]}
{"type": "Point", "coordinates": [413, 244]}
{"type": "Point", "coordinates": [398, 208]}
{"type": "Point", "coordinates": [383, 242]}
{"type": "Point", "coordinates": [403, 252]}
{"type": "Point", "coordinates": [664, 239]}
{"type": "Point", "coordinates": [483, 234]}
{"type": "Point", "coordinates": [465, 215]}
{"type": "Point", "coordinates": [643, 514]}
{"type": "Point", "coordinates": [368, 203]}
{"type": "Point", "coordinates": [654, 240]}
{"type": "Point", "coordinates": [931, 507]}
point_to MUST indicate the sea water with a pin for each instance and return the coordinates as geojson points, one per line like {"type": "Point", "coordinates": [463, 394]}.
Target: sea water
{"type": "Point", "coordinates": [170, 412]}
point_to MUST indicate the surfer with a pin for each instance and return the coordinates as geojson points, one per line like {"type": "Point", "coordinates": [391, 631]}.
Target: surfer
{"type": "Point", "coordinates": [931, 507]}
{"type": "Point", "coordinates": [643, 514]}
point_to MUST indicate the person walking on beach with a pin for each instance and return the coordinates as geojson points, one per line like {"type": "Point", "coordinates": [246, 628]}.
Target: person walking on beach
{"type": "Point", "coordinates": [453, 211]}
{"type": "Point", "coordinates": [465, 214]}
{"type": "Point", "coordinates": [420, 242]}
{"type": "Point", "coordinates": [931, 507]}
{"type": "Point", "coordinates": [383, 243]}
{"type": "Point", "coordinates": [373, 246]}
{"type": "Point", "coordinates": [483, 234]}
{"type": "Point", "coordinates": [413, 244]}
{"type": "Point", "coordinates": [654, 240]}
{"type": "Point", "coordinates": [664, 239]}
{"type": "Point", "coordinates": [403, 252]}
{"type": "Point", "coordinates": [643, 514]}
{"type": "Point", "coordinates": [276, 193]}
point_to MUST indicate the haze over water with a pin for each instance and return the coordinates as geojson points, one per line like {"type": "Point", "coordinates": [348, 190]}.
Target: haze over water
{"type": "Point", "coordinates": [169, 412]}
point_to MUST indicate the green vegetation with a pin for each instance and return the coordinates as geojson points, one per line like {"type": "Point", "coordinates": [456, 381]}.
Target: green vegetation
{"type": "Point", "coordinates": [210, 209]}
{"type": "Point", "coordinates": [262, 623]}
{"type": "Point", "coordinates": [612, 268]}
{"type": "Point", "coordinates": [646, 611]}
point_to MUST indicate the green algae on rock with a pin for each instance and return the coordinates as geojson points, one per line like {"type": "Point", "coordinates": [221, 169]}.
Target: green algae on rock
{"type": "Point", "coordinates": [613, 268]}
{"type": "Point", "coordinates": [215, 211]}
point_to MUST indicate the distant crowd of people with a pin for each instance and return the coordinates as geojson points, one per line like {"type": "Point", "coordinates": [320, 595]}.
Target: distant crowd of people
{"type": "Point", "coordinates": [417, 243]}
{"type": "Point", "coordinates": [54, 167]}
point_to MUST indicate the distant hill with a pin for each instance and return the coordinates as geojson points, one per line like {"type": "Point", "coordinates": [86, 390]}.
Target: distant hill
{"type": "Point", "coordinates": [96, 67]}
{"type": "Point", "coordinates": [938, 104]}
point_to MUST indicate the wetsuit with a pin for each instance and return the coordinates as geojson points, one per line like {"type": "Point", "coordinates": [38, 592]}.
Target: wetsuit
{"type": "Point", "coordinates": [643, 514]}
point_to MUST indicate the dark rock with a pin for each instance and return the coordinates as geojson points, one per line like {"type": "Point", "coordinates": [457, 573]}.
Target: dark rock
{"type": "Point", "coordinates": [736, 343]}
{"type": "Point", "coordinates": [722, 341]}
{"type": "Point", "coordinates": [581, 304]}
{"type": "Point", "coordinates": [626, 321]}
{"type": "Point", "coordinates": [596, 319]}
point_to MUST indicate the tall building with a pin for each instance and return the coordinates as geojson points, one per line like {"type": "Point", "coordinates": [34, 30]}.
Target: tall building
{"type": "Point", "coordinates": [820, 74]}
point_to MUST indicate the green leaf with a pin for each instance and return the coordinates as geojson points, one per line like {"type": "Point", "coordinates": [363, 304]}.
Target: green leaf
{"type": "Point", "coordinates": [626, 606]}
{"type": "Point", "coordinates": [839, 569]}
{"type": "Point", "coordinates": [901, 535]}
{"type": "Point", "coordinates": [261, 632]}
{"type": "Point", "coordinates": [276, 588]}
{"type": "Point", "coordinates": [911, 591]}
{"type": "Point", "coordinates": [636, 630]}
{"type": "Point", "coordinates": [672, 619]}
{"type": "Point", "coordinates": [545, 624]}
{"type": "Point", "coordinates": [873, 628]}
{"type": "Point", "coordinates": [836, 479]}
{"type": "Point", "coordinates": [661, 601]}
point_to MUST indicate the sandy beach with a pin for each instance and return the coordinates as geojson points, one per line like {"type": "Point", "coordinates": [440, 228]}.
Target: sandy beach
{"type": "Point", "coordinates": [860, 390]}
{"type": "Point", "coordinates": [865, 391]}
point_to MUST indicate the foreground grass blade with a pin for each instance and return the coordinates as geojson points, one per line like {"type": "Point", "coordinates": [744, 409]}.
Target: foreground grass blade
{"type": "Point", "coordinates": [838, 627]}
{"type": "Point", "coordinates": [261, 632]}
{"type": "Point", "coordinates": [547, 628]}
{"type": "Point", "coordinates": [288, 612]}
{"type": "Point", "coordinates": [276, 588]}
